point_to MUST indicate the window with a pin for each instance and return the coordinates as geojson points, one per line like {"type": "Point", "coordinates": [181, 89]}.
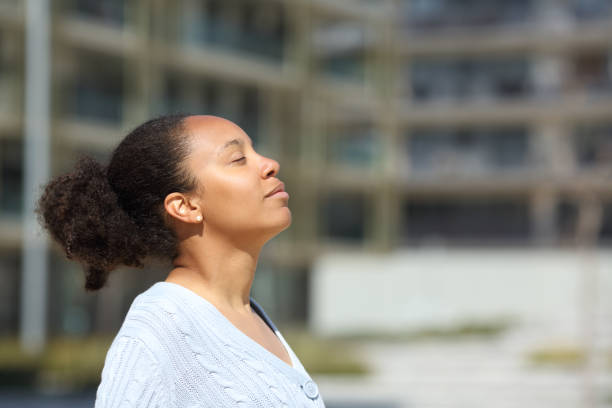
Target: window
{"type": "Point", "coordinates": [11, 175]}
{"type": "Point", "coordinates": [97, 89]}
{"type": "Point", "coordinates": [200, 95]}
{"type": "Point", "coordinates": [423, 15]}
{"type": "Point", "coordinates": [590, 9]}
{"type": "Point", "coordinates": [467, 151]}
{"type": "Point", "coordinates": [343, 216]}
{"type": "Point", "coordinates": [247, 26]}
{"type": "Point", "coordinates": [352, 145]}
{"type": "Point", "coordinates": [568, 213]}
{"type": "Point", "coordinates": [457, 79]}
{"type": "Point", "coordinates": [457, 221]}
{"type": "Point", "coordinates": [592, 72]}
{"type": "Point", "coordinates": [10, 271]}
{"type": "Point", "coordinates": [112, 12]}
{"type": "Point", "coordinates": [339, 49]}
{"type": "Point", "coordinates": [593, 145]}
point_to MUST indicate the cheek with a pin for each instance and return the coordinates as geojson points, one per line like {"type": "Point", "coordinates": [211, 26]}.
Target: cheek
{"type": "Point", "coordinates": [232, 202]}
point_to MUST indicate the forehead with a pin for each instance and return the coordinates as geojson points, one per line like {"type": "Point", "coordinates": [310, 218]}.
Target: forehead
{"type": "Point", "coordinates": [210, 134]}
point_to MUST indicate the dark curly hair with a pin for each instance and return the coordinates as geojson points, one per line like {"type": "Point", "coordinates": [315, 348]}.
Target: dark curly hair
{"type": "Point", "coordinates": [109, 216]}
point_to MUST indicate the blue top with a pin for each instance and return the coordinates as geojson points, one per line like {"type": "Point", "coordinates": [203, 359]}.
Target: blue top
{"type": "Point", "coordinates": [175, 349]}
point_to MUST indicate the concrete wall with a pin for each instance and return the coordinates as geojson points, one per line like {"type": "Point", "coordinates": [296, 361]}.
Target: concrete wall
{"type": "Point", "coordinates": [357, 292]}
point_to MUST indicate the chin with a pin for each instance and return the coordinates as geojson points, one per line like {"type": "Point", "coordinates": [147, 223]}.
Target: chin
{"type": "Point", "coordinates": [282, 223]}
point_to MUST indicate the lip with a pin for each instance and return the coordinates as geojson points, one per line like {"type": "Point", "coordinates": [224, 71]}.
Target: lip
{"type": "Point", "coordinates": [278, 191]}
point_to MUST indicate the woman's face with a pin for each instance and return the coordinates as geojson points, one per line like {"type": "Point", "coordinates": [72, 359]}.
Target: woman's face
{"type": "Point", "coordinates": [234, 181]}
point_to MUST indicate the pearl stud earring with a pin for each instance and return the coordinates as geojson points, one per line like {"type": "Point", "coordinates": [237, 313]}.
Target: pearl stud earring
{"type": "Point", "coordinates": [199, 218]}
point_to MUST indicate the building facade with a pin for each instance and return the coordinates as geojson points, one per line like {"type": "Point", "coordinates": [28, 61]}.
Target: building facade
{"type": "Point", "coordinates": [397, 123]}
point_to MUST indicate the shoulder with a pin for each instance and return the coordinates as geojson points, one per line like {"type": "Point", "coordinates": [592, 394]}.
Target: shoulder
{"type": "Point", "coordinates": [131, 377]}
{"type": "Point", "coordinates": [158, 319]}
{"type": "Point", "coordinates": [167, 317]}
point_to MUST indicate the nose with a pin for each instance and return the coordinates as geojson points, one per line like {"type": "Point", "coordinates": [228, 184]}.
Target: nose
{"type": "Point", "coordinates": [269, 168]}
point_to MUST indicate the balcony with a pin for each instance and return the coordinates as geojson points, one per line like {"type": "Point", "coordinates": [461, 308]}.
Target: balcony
{"type": "Point", "coordinates": [586, 10]}
{"type": "Point", "coordinates": [592, 145]}
{"type": "Point", "coordinates": [203, 95]}
{"type": "Point", "coordinates": [451, 80]}
{"type": "Point", "coordinates": [343, 216]}
{"type": "Point", "coordinates": [354, 147]}
{"type": "Point", "coordinates": [107, 12]}
{"type": "Point", "coordinates": [95, 93]}
{"type": "Point", "coordinates": [434, 15]}
{"type": "Point", "coordinates": [591, 74]}
{"type": "Point", "coordinates": [253, 28]}
{"type": "Point", "coordinates": [467, 153]}
{"type": "Point", "coordinates": [487, 221]}
{"type": "Point", "coordinates": [339, 49]}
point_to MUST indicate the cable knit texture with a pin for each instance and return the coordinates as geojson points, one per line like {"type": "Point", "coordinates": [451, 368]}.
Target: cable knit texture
{"type": "Point", "coordinates": [176, 350]}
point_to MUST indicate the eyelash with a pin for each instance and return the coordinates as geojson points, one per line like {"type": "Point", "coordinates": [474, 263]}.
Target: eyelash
{"type": "Point", "coordinates": [239, 160]}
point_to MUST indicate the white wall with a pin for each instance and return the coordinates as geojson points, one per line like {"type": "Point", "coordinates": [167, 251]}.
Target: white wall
{"type": "Point", "coordinates": [357, 292]}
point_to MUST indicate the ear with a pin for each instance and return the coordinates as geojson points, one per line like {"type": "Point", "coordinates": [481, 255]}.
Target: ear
{"type": "Point", "coordinates": [181, 208]}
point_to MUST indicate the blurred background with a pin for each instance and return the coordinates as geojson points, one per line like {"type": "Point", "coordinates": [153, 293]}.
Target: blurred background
{"type": "Point", "coordinates": [449, 166]}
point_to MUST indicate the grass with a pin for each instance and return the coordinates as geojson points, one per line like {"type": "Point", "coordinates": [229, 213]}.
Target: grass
{"type": "Point", "coordinates": [325, 356]}
{"type": "Point", "coordinates": [564, 356]}
{"type": "Point", "coordinates": [76, 363]}
{"type": "Point", "coordinates": [460, 331]}
{"type": "Point", "coordinates": [66, 363]}
{"type": "Point", "coordinates": [561, 356]}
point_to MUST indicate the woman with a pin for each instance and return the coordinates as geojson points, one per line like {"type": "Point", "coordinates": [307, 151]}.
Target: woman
{"type": "Point", "coordinates": [192, 190]}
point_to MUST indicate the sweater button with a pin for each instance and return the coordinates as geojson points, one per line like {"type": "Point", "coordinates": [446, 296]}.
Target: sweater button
{"type": "Point", "coordinates": [310, 389]}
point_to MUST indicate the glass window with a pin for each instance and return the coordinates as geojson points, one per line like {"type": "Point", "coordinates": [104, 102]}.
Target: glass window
{"type": "Point", "coordinates": [97, 88]}
{"type": "Point", "coordinates": [343, 216]}
{"type": "Point", "coordinates": [457, 221]}
{"type": "Point", "coordinates": [339, 49]}
{"type": "Point", "coordinates": [112, 12]}
{"type": "Point", "coordinates": [247, 26]}
{"type": "Point", "coordinates": [592, 73]}
{"type": "Point", "coordinates": [460, 78]}
{"type": "Point", "coordinates": [248, 118]}
{"type": "Point", "coordinates": [352, 145]}
{"type": "Point", "coordinates": [184, 95]}
{"type": "Point", "coordinates": [263, 29]}
{"type": "Point", "coordinates": [467, 151]}
{"type": "Point", "coordinates": [11, 176]}
{"type": "Point", "coordinates": [593, 145]}
{"type": "Point", "coordinates": [10, 271]}
{"type": "Point", "coordinates": [426, 15]}
{"type": "Point", "coordinates": [591, 9]}
{"type": "Point", "coordinates": [238, 103]}
{"type": "Point", "coordinates": [568, 213]}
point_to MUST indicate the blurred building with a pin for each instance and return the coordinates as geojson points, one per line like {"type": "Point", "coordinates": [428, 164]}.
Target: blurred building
{"type": "Point", "coordinates": [397, 123]}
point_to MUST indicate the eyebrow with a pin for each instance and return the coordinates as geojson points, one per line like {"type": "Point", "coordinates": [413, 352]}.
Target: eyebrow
{"type": "Point", "coordinates": [236, 142]}
{"type": "Point", "coordinates": [232, 142]}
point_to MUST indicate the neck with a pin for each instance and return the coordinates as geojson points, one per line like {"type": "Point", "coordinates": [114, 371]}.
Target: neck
{"type": "Point", "coordinates": [218, 269]}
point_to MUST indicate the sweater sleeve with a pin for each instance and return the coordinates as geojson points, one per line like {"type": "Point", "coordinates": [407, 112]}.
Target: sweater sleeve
{"type": "Point", "coordinates": [131, 378]}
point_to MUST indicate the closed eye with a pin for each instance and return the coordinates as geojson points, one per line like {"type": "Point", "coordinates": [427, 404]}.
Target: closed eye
{"type": "Point", "coordinates": [239, 160]}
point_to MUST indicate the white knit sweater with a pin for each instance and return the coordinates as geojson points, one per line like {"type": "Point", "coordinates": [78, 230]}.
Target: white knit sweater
{"type": "Point", "coordinates": [176, 350]}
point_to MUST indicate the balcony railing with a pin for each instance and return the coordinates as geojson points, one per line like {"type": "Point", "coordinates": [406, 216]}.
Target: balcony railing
{"type": "Point", "coordinates": [111, 12]}
{"type": "Point", "coordinates": [467, 151]}
{"type": "Point", "coordinates": [429, 15]}
{"type": "Point", "coordinates": [465, 221]}
{"type": "Point", "coordinates": [459, 79]}
{"type": "Point", "coordinates": [246, 27]}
